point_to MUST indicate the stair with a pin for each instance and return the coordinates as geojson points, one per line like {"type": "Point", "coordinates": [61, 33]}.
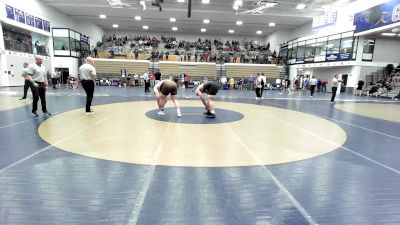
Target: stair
{"type": "Point", "coordinates": [153, 66]}
{"type": "Point", "coordinates": [221, 70]}
{"type": "Point", "coordinates": [282, 72]}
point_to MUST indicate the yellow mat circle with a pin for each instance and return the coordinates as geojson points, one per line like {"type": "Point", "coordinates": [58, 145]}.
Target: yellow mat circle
{"type": "Point", "coordinates": [122, 132]}
{"type": "Point", "coordinates": [379, 111]}
{"type": "Point", "coordinates": [9, 102]}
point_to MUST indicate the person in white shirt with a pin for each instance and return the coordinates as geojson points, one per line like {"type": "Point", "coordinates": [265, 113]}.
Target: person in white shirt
{"type": "Point", "coordinates": [258, 85]}
{"type": "Point", "coordinates": [38, 84]}
{"type": "Point", "coordinates": [335, 83]}
{"type": "Point", "coordinates": [313, 84]}
{"type": "Point", "coordinates": [87, 75]}
{"type": "Point", "coordinates": [27, 82]}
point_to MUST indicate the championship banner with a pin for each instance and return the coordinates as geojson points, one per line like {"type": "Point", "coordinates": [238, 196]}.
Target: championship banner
{"type": "Point", "coordinates": [379, 16]}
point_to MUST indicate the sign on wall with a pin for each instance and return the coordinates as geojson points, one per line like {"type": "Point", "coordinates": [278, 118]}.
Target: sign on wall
{"type": "Point", "coordinates": [378, 16]}
{"type": "Point", "coordinates": [26, 18]}
{"type": "Point", "coordinates": [326, 20]}
{"type": "Point", "coordinates": [19, 15]}
{"type": "Point", "coordinates": [39, 23]}
{"type": "Point", "coordinates": [30, 20]}
{"type": "Point", "coordinates": [338, 56]}
{"type": "Point", "coordinates": [10, 12]}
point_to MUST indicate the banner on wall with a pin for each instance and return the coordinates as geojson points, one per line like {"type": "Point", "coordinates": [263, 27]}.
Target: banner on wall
{"type": "Point", "coordinates": [338, 56]}
{"type": "Point", "coordinates": [30, 20]}
{"type": "Point", "coordinates": [19, 15]}
{"type": "Point", "coordinates": [39, 23]}
{"type": "Point", "coordinates": [26, 18]}
{"type": "Point", "coordinates": [10, 12]}
{"type": "Point", "coordinates": [379, 16]}
{"type": "Point", "coordinates": [326, 20]}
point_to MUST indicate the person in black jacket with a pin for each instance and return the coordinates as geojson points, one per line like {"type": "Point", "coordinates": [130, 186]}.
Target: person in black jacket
{"type": "Point", "coordinates": [360, 85]}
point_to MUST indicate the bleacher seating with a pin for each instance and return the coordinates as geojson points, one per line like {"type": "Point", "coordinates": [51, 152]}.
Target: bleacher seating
{"type": "Point", "coordinates": [237, 70]}
{"type": "Point", "coordinates": [110, 68]}
{"type": "Point", "coordinates": [193, 69]}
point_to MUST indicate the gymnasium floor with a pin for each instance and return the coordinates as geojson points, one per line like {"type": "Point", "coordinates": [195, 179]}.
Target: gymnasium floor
{"type": "Point", "coordinates": [281, 160]}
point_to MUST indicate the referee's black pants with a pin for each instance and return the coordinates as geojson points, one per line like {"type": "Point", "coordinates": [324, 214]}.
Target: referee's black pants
{"type": "Point", "coordinates": [88, 85]}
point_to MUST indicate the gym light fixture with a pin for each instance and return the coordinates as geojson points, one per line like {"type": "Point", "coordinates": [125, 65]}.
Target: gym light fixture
{"type": "Point", "coordinates": [174, 28]}
{"type": "Point", "coordinates": [272, 24]}
{"type": "Point", "coordinates": [239, 22]}
{"type": "Point", "coordinates": [205, 1]}
{"type": "Point", "coordinates": [115, 25]}
{"type": "Point", "coordinates": [388, 34]}
{"type": "Point", "coordinates": [206, 21]}
{"type": "Point", "coordinates": [231, 31]}
{"type": "Point", "coordinates": [203, 29]}
{"type": "Point", "coordinates": [103, 16]}
{"type": "Point", "coordinates": [172, 19]}
{"type": "Point", "coordinates": [300, 6]}
{"type": "Point", "coordinates": [146, 27]}
{"type": "Point", "coordinates": [259, 32]}
{"type": "Point", "coordinates": [138, 18]}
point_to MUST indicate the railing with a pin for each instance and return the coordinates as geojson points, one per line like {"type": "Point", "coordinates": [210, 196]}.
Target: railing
{"type": "Point", "coordinates": [17, 46]}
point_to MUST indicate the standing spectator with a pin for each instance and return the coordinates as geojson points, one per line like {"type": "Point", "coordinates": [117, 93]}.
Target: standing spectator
{"type": "Point", "coordinates": [152, 80]}
{"type": "Point", "coordinates": [38, 85]}
{"type": "Point", "coordinates": [257, 84]}
{"type": "Point", "coordinates": [27, 83]}
{"type": "Point", "coordinates": [157, 76]}
{"type": "Point", "coordinates": [54, 77]}
{"type": "Point", "coordinates": [263, 82]}
{"type": "Point", "coordinates": [319, 85]}
{"type": "Point", "coordinates": [95, 53]}
{"type": "Point", "coordinates": [360, 85]}
{"type": "Point", "coordinates": [186, 80]}
{"type": "Point", "coordinates": [313, 83]}
{"type": "Point", "coordinates": [87, 74]}
{"type": "Point", "coordinates": [335, 83]}
{"type": "Point", "coordinates": [146, 82]}
{"type": "Point", "coordinates": [324, 83]}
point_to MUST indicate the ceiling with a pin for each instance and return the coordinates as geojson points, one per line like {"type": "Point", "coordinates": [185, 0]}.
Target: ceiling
{"type": "Point", "coordinates": [221, 14]}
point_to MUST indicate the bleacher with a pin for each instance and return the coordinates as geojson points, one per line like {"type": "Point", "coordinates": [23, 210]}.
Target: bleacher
{"type": "Point", "coordinates": [194, 70]}
{"type": "Point", "coordinates": [237, 70]}
{"type": "Point", "coordinates": [111, 68]}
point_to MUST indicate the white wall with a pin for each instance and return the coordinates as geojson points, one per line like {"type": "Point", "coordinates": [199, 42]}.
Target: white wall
{"type": "Point", "coordinates": [17, 60]}
{"type": "Point", "coordinates": [188, 37]}
{"type": "Point", "coordinates": [66, 62]}
{"type": "Point", "coordinates": [275, 39]}
{"type": "Point", "coordinates": [387, 50]}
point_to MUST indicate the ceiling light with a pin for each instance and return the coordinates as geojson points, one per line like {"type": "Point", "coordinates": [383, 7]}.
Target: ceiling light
{"type": "Point", "coordinates": [259, 32]}
{"type": "Point", "coordinates": [146, 27]}
{"type": "Point", "coordinates": [181, 1]}
{"type": "Point", "coordinates": [174, 28]}
{"type": "Point", "coordinates": [239, 22]}
{"type": "Point", "coordinates": [103, 16]}
{"type": "Point", "coordinates": [300, 6]}
{"type": "Point", "coordinates": [115, 25]}
{"type": "Point", "coordinates": [203, 30]}
{"type": "Point", "coordinates": [172, 19]}
{"type": "Point", "coordinates": [138, 18]}
{"type": "Point", "coordinates": [206, 21]}
{"type": "Point", "coordinates": [205, 1]}
{"type": "Point", "coordinates": [398, 35]}
{"type": "Point", "coordinates": [271, 24]}
{"type": "Point", "coordinates": [231, 31]}
{"type": "Point", "coordinates": [388, 34]}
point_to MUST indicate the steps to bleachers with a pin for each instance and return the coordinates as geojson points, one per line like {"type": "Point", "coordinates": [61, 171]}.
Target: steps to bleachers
{"type": "Point", "coordinates": [196, 70]}
{"type": "Point", "coordinates": [109, 68]}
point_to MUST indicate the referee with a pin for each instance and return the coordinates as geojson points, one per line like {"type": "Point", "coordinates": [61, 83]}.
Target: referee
{"type": "Point", "coordinates": [38, 84]}
{"type": "Point", "coordinates": [87, 76]}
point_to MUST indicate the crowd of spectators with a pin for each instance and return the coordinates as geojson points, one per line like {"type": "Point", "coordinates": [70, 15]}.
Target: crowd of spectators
{"type": "Point", "coordinates": [201, 50]}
